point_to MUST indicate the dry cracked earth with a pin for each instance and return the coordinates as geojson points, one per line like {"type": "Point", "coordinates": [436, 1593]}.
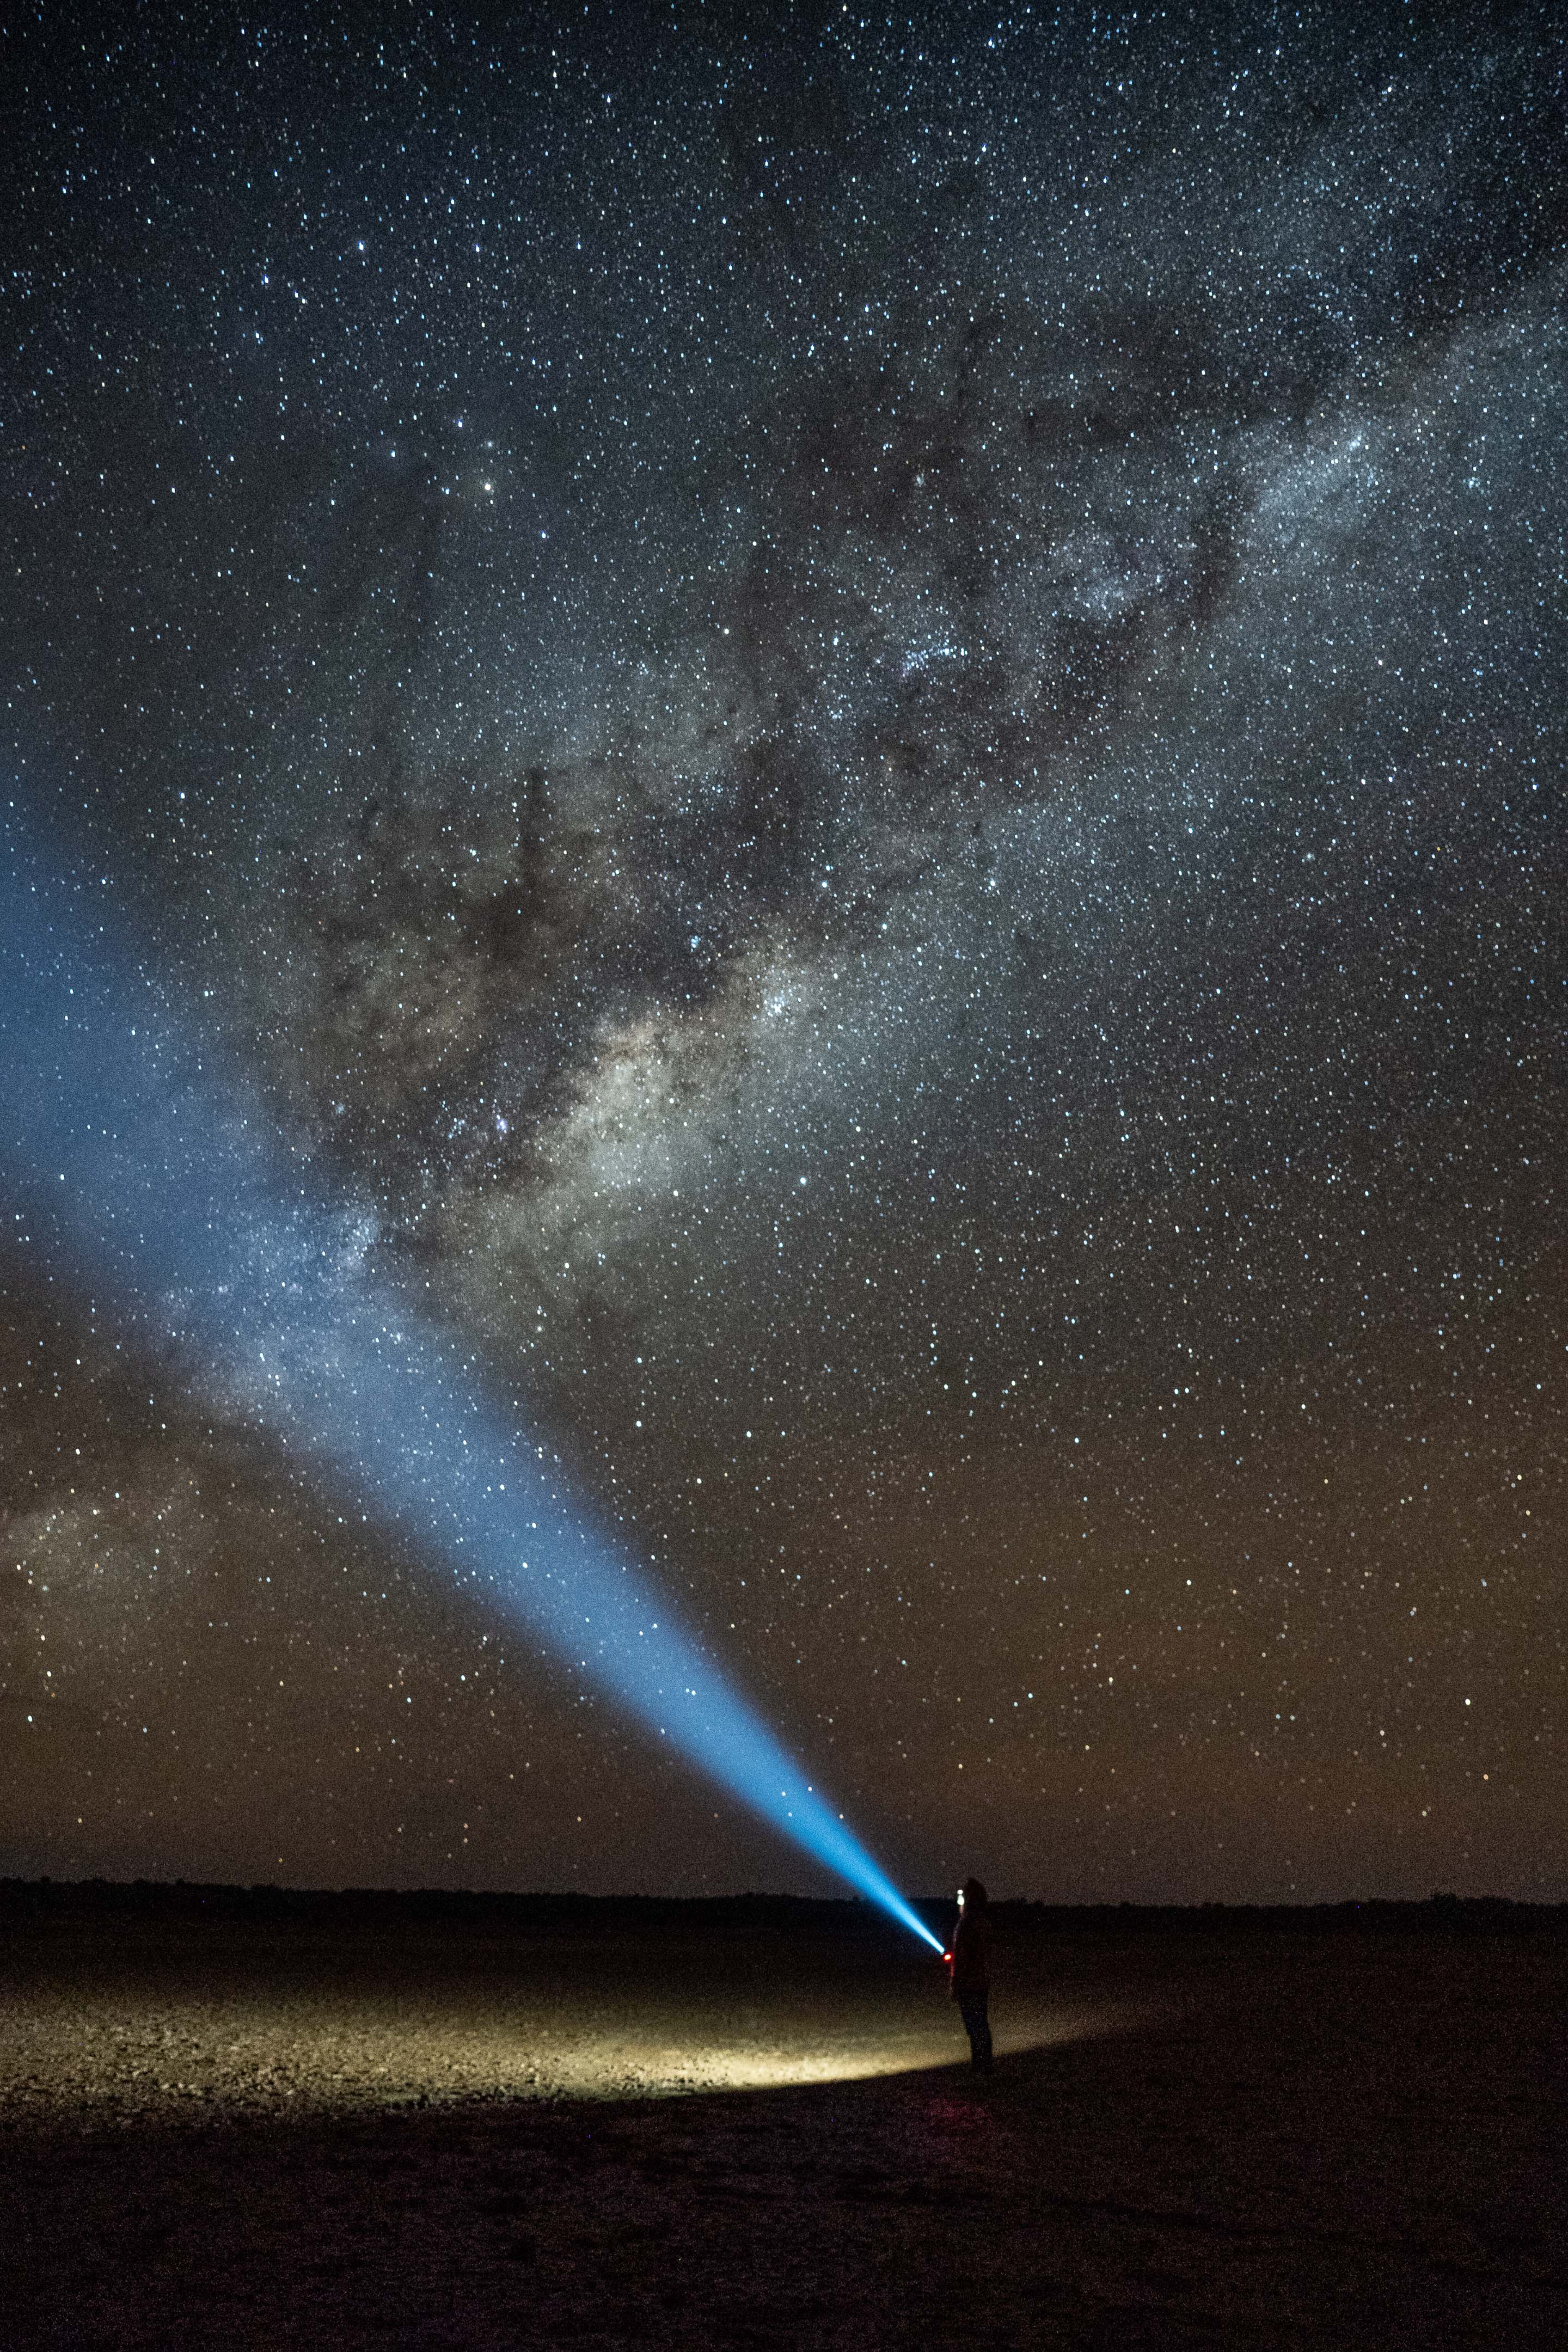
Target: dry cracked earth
{"type": "Point", "coordinates": [247, 2132]}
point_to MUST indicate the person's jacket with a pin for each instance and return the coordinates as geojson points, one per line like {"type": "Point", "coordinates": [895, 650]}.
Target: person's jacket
{"type": "Point", "coordinates": [972, 1955]}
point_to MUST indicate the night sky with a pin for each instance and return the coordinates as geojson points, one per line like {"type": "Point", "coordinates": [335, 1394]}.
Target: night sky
{"type": "Point", "coordinates": [860, 720]}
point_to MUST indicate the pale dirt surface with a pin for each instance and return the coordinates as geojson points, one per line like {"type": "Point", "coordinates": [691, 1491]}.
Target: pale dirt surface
{"type": "Point", "coordinates": [212, 2134]}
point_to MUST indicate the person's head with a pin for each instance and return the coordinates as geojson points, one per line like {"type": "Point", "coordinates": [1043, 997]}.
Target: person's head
{"type": "Point", "coordinates": [971, 1896]}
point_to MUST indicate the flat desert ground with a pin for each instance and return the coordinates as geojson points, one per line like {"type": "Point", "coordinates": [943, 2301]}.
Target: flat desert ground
{"type": "Point", "coordinates": [715, 2129]}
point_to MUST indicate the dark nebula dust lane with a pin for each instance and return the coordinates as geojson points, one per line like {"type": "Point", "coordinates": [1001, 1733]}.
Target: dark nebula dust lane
{"type": "Point", "coordinates": [859, 726]}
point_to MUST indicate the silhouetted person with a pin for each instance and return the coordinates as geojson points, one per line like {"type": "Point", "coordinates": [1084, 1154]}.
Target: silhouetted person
{"type": "Point", "coordinates": [972, 1971]}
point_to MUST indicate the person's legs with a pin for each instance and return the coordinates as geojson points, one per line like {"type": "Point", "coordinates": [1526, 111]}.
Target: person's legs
{"type": "Point", "coordinates": [973, 2008]}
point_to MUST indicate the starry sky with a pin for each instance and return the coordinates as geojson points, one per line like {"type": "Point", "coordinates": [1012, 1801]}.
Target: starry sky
{"type": "Point", "coordinates": [860, 718]}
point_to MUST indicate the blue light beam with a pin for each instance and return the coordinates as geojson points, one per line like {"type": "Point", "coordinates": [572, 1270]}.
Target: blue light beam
{"type": "Point", "coordinates": [163, 1189]}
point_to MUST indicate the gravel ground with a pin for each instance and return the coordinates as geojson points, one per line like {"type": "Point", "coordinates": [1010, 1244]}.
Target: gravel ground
{"type": "Point", "coordinates": [147, 2026]}
{"type": "Point", "coordinates": [249, 2136]}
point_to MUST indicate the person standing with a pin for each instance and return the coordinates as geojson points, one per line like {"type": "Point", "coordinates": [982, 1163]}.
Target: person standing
{"type": "Point", "coordinates": [971, 1967]}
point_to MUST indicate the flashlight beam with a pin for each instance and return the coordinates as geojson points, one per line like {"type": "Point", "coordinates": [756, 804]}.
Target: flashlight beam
{"type": "Point", "coordinates": [165, 1188]}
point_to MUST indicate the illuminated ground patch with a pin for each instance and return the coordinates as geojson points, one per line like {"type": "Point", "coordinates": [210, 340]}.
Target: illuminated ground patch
{"type": "Point", "coordinates": [163, 2053]}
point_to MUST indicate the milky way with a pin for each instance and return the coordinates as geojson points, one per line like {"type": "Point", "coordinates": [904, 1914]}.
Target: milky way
{"type": "Point", "coordinates": [860, 725]}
